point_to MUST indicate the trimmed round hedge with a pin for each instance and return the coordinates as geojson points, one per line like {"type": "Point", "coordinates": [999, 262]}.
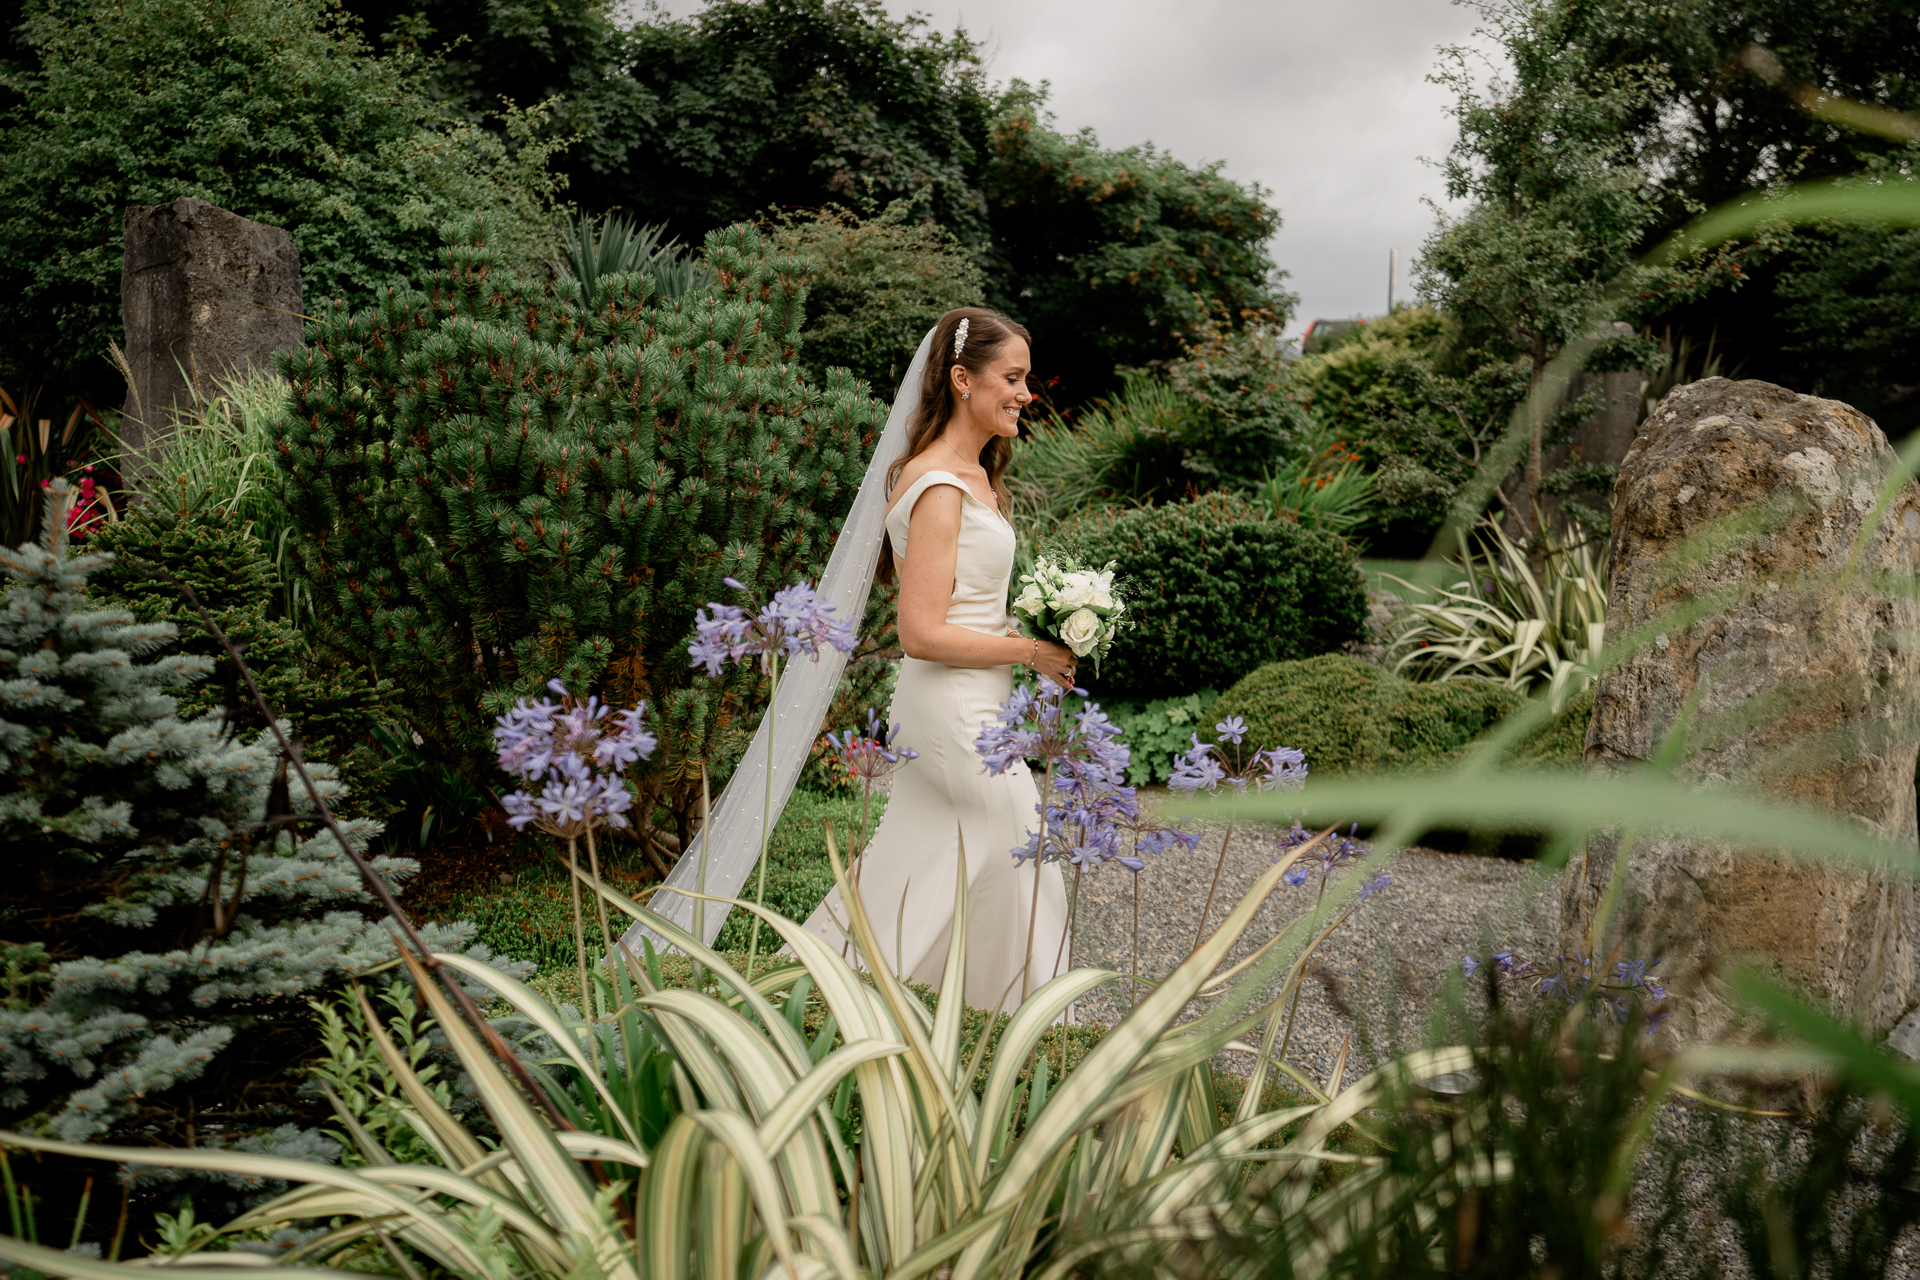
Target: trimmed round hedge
{"type": "Point", "coordinates": [1349, 716]}
{"type": "Point", "coordinates": [1216, 588]}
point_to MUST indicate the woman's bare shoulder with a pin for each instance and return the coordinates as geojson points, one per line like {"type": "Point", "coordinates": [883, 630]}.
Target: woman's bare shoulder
{"type": "Point", "coordinates": [911, 474]}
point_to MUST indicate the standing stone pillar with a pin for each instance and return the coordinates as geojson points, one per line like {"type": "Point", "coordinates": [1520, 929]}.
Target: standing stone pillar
{"type": "Point", "coordinates": [1804, 692]}
{"type": "Point", "coordinates": [204, 294]}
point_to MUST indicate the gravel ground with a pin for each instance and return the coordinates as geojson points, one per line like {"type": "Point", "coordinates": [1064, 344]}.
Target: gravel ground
{"type": "Point", "coordinates": [1373, 978]}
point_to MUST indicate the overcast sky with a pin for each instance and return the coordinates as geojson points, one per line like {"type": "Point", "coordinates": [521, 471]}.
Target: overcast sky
{"type": "Point", "coordinates": [1325, 103]}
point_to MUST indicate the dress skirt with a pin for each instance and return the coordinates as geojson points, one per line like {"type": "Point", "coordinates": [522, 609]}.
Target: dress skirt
{"type": "Point", "coordinates": [945, 796]}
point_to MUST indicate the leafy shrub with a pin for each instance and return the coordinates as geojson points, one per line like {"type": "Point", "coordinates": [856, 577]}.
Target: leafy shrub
{"type": "Point", "coordinates": [1216, 588]}
{"type": "Point", "coordinates": [1417, 416]}
{"type": "Point", "coordinates": [1123, 452]}
{"type": "Point", "coordinates": [492, 488]}
{"type": "Point", "coordinates": [1237, 378]}
{"type": "Point", "coordinates": [183, 925]}
{"type": "Point", "coordinates": [874, 287]}
{"type": "Point", "coordinates": [1156, 731]}
{"type": "Point", "coordinates": [334, 702]}
{"type": "Point", "coordinates": [1561, 742]}
{"type": "Point", "coordinates": [274, 109]}
{"type": "Point", "coordinates": [1350, 716]}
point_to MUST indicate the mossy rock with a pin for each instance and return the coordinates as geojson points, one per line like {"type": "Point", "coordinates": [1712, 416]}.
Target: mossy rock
{"type": "Point", "coordinates": [1349, 716]}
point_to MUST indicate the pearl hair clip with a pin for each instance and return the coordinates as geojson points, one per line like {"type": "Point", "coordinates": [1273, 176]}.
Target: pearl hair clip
{"type": "Point", "coordinates": [960, 337]}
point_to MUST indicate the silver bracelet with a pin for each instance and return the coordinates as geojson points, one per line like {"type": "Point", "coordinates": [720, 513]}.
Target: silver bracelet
{"type": "Point", "coordinates": [1035, 664]}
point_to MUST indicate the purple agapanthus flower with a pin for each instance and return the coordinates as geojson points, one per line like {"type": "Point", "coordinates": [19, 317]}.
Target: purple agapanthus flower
{"type": "Point", "coordinates": [1084, 815]}
{"type": "Point", "coordinates": [1206, 765]}
{"type": "Point", "coordinates": [795, 622]}
{"type": "Point", "coordinates": [1329, 856]}
{"type": "Point", "coordinates": [574, 754]}
{"type": "Point", "coordinates": [1570, 979]}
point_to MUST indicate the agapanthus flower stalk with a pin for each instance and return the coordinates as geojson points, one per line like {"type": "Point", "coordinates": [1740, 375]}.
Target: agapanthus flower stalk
{"type": "Point", "coordinates": [795, 623]}
{"type": "Point", "coordinates": [1205, 767]}
{"type": "Point", "coordinates": [1082, 749]}
{"type": "Point", "coordinates": [578, 752]}
{"type": "Point", "coordinates": [872, 757]}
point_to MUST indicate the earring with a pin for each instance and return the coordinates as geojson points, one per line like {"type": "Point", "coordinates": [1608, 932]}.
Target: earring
{"type": "Point", "coordinates": [966, 395]}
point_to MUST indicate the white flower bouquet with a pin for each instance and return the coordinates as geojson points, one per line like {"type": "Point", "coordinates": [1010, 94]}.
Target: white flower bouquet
{"type": "Point", "coordinates": [1076, 606]}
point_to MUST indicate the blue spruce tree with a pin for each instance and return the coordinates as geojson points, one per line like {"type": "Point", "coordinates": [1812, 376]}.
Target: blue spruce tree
{"type": "Point", "coordinates": [159, 937]}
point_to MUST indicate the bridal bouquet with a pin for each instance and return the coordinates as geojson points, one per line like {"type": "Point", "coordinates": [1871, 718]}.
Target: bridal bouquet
{"type": "Point", "coordinates": [1078, 607]}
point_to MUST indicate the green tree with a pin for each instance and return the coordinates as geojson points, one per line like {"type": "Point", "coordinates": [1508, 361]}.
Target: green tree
{"type": "Point", "coordinates": [274, 109]}
{"type": "Point", "coordinates": [874, 288]}
{"type": "Point", "coordinates": [1560, 205]}
{"type": "Point", "coordinates": [1118, 258]}
{"type": "Point", "coordinates": [1821, 309]}
{"type": "Point", "coordinates": [493, 486]}
{"type": "Point", "coordinates": [758, 104]}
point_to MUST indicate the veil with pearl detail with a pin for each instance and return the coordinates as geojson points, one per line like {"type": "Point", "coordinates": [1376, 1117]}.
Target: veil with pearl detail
{"type": "Point", "coordinates": [729, 845]}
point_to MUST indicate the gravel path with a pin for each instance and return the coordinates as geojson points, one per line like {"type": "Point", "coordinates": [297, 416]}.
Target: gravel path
{"type": "Point", "coordinates": [1374, 977]}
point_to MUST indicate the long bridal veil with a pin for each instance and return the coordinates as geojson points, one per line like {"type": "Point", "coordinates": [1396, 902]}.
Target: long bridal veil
{"type": "Point", "coordinates": [730, 843]}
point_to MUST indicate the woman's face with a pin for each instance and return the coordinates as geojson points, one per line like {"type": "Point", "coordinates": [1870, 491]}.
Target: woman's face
{"type": "Point", "coordinates": [996, 397]}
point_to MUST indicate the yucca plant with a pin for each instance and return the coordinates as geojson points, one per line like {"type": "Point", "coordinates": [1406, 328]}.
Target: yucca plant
{"type": "Point", "coordinates": [1503, 622]}
{"type": "Point", "coordinates": [952, 1167]}
{"type": "Point", "coordinates": [616, 245]}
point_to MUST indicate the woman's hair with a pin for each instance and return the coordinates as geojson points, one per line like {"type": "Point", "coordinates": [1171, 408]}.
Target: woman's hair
{"type": "Point", "coordinates": [987, 333]}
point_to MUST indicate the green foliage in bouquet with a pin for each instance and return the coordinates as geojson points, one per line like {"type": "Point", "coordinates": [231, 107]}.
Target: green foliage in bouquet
{"type": "Point", "coordinates": [334, 702]}
{"type": "Point", "coordinates": [1215, 588]}
{"type": "Point", "coordinates": [493, 486]}
{"type": "Point", "coordinates": [165, 931]}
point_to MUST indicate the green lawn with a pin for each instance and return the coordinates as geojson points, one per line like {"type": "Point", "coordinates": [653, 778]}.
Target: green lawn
{"type": "Point", "coordinates": [532, 919]}
{"type": "Point", "coordinates": [1420, 572]}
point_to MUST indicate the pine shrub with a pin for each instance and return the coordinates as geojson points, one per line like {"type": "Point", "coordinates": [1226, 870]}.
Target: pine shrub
{"type": "Point", "coordinates": [1350, 716]}
{"type": "Point", "coordinates": [1216, 589]}
{"type": "Point", "coordinates": [161, 937]}
{"type": "Point", "coordinates": [334, 702]}
{"type": "Point", "coordinates": [493, 486]}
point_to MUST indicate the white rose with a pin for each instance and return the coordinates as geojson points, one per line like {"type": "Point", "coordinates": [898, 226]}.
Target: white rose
{"type": "Point", "coordinates": [1076, 591]}
{"type": "Point", "coordinates": [1080, 632]}
{"type": "Point", "coordinates": [1030, 600]}
{"type": "Point", "coordinates": [1102, 591]}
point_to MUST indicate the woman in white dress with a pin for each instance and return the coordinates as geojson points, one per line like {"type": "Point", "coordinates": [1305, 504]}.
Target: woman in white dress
{"type": "Point", "coordinates": [953, 548]}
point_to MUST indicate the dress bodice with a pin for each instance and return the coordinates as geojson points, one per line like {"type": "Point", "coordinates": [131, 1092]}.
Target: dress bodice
{"type": "Point", "coordinates": [985, 561]}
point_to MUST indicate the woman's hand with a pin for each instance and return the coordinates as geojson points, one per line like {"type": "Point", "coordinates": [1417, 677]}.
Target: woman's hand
{"type": "Point", "coordinates": [1056, 662]}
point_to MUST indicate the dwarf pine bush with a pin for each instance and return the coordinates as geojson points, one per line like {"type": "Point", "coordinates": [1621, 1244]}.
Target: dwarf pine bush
{"type": "Point", "coordinates": [494, 485]}
{"type": "Point", "coordinates": [173, 932]}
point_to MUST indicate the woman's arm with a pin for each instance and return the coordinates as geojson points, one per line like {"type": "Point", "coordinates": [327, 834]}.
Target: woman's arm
{"type": "Point", "coordinates": [926, 589]}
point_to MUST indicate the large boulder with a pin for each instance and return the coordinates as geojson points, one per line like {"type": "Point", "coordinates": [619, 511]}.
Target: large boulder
{"type": "Point", "coordinates": [1748, 500]}
{"type": "Point", "coordinates": [204, 294]}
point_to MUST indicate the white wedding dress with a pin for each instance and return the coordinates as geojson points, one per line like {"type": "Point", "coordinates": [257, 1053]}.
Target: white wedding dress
{"type": "Point", "coordinates": [906, 876]}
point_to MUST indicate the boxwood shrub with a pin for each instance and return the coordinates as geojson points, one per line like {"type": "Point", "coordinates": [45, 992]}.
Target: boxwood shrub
{"type": "Point", "coordinates": [1217, 589]}
{"type": "Point", "coordinates": [1350, 716]}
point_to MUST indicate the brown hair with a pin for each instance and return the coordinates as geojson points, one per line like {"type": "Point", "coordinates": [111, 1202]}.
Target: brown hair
{"type": "Point", "coordinates": [987, 333]}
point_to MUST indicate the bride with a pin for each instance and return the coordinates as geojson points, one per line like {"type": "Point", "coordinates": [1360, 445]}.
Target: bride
{"type": "Point", "coordinates": [948, 538]}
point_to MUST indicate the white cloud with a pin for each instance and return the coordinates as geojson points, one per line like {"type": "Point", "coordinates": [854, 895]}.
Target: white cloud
{"type": "Point", "coordinates": [1325, 104]}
